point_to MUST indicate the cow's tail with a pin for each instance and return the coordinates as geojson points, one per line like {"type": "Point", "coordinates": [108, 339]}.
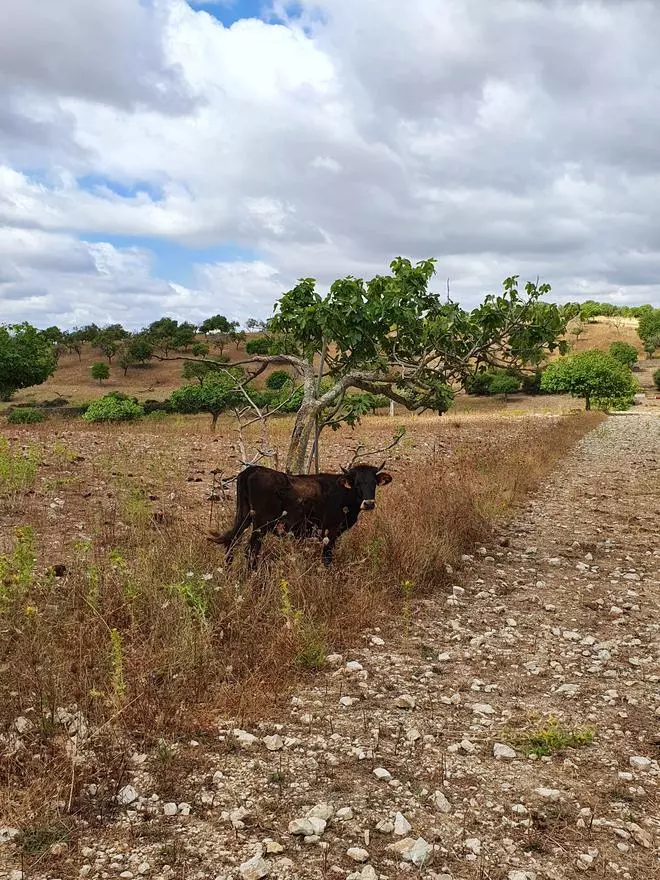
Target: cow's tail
{"type": "Point", "coordinates": [243, 516]}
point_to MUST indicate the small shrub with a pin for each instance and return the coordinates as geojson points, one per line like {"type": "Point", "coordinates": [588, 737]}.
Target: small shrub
{"type": "Point", "coordinates": [656, 379]}
{"type": "Point", "coordinates": [25, 416]}
{"type": "Point", "coordinates": [479, 384]}
{"type": "Point", "coordinates": [552, 737]}
{"type": "Point", "coordinates": [113, 408]}
{"type": "Point", "coordinates": [531, 383]}
{"type": "Point", "coordinates": [260, 345]}
{"type": "Point", "coordinates": [100, 371]}
{"type": "Point", "coordinates": [277, 380]}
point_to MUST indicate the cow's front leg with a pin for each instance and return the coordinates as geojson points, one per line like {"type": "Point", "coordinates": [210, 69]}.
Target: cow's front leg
{"type": "Point", "coordinates": [254, 547]}
{"type": "Point", "coordinates": [328, 549]}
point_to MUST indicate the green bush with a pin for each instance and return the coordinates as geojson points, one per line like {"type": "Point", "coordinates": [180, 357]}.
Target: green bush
{"type": "Point", "coordinates": [503, 383]}
{"type": "Point", "coordinates": [100, 371]}
{"type": "Point", "coordinates": [656, 379]}
{"type": "Point", "coordinates": [624, 352]}
{"type": "Point", "coordinates": [479, 383]}
{"type": "Point", "coordinates": [25, 416]}
{"type": "Point", "coordinates": [113, 407]}
{"type": "Point", "coordinates": [260, 345]}
{"type": "Point", "coordinates": [531, 383]}
{"type": "Point", "coordinates": [277, 380]}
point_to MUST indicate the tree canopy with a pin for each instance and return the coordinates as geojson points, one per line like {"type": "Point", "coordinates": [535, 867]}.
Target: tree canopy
{"type": "Point", "coordinates": [216, 393]}
{"type": "Point", "coordinates": [392, 336]}
{"type": "Point", "coordinates": [27, 357]}
{"type": "Point", "coordinates": [597, 377]}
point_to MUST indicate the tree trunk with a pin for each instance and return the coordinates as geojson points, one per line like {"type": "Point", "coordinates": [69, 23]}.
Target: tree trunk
{"type": "Point", "coordinates": [588, 402]}
{"type": "Point", "coordinates": [214, 421]}
{"type": "Point", "coordinates": [296, 459]}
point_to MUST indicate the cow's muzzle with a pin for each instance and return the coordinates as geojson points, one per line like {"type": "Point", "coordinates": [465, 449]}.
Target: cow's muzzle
{"type": "Point", "coordinates": [367, 505]}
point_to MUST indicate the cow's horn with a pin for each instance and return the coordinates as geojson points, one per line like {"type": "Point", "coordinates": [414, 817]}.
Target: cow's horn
{"type": "Point", "coordinates": [381, 467]}
{"type": "Point", "coordinates": [344, 470]}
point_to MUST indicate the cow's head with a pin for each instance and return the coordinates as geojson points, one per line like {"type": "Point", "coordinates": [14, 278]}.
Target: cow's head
{"type": "Point", "coordinates": [363, 479]}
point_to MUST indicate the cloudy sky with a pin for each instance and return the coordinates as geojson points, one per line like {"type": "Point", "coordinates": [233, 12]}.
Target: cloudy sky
{"type": "Point", "coordinates": [164, 156]}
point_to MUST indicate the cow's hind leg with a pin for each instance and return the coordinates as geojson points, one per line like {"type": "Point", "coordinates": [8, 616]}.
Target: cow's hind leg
{"type": "Point", "coordinates": [254, 547]}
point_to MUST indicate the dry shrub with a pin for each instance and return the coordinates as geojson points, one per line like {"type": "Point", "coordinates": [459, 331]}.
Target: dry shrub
{"type": "Point", "coordinates": [146, 629]}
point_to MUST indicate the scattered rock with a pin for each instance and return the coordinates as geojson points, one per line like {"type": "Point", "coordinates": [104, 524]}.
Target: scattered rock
{"type": "Point", "coordinates": [127, 795]}
{"type": "Point", "coordinates": [255, 868]}
{"type": "Point", "coordinates": [502, 752]}
{"type": "Point", "coordinates": [357, 854]}
{"type": "Point", "coordinates": [401, 825]}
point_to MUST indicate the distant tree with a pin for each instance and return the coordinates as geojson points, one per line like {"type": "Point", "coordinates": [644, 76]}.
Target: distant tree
{"type": "Point", "coordinates": [651, 345]}
{"type": "Point", "coordinates": [278, 379]}
{"type": "Point", "coordinates": [261, 345]}
{"type": "Point", "coordinates": [107, 344]}
{"type": "Point", "coordinates": [504, 384]}
{"type": "Point", "coordinates": [73, 342]}
{"type": "Point", "coordinates": [624, 352]}
{"type": "Point", "coordinates": [88, 333]}
{"type": "Point", "coordinates": [115, 331]}
{"type": "Point", "coordinates": [162, 334]}
{"type": "Point", "coordinates": [217, 393]}
{"type": "Point", "coordinates": [141, 348]}
{"type": "Point", "coordinates": [593, 375]}
{"type": "Point", "coordinates": [220, 340]}
{"type": "Point", "coordinates": [576, 330]}
{"type": "Point", "coordinates": [199, 369]}
{"type": "Point", "coordinates": [125, 358]}
{"type": "Point", "coordinates": [100, 371]}
{"type": "Point", "coordinates": [184, 335]}
{"type": "Point", "coordinates": [238, 337]}
{"type": "Point", "coordinates": [200, 349]}
{"type": "Point", "coordinates": [656, 379]}
{"type": "Point", "coordinates": [27, 357]}
{"type": "Point", "coordinates": [255, 324]}
{"type": "Point", "coordinates": [648, 328]}
{"type": "Point", "coordinates": [53, 334]}
{"type": "Point", "coordinates": [218, 322]}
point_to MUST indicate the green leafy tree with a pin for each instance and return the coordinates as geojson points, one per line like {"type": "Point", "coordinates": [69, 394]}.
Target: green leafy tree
{"type": "Point", "coordinates": [27, 357]}
{"type": "Point", "coordinates": [504, 384]}
{"type": "Point", "coordinates": [217, 393]}
{"type": "Point", "coordinates": [200, 349]}
{"type": "Point", "coordinates": [648, 329]}
{"type": "Point", "coordinates": [261, 345]}
{"type": "Point", "coordinates": [253, 324]}
{"type": "Point", "coordinates": [218, 322]}
{"type": "Point", "coordinates": [184, 335]}
{"type": "Point", "coordinates": [141, 348]}
{"type": "Point", "coordinates": [100, 371]}
{"type": "Point", "coordinates": [73, 342]}
{"type": "Point", "coordinates": [392, 336]}
{"type": "Point", "coordinates": [597, 377]}
{"type": "Point", "coordinates": [162, 334]}
{"type": "Point", "coordinates": [656, 379]}
{"type": "Point", "coordinates": [199, 369]}
{"type": "Point", "coordinates": [238, 337]}
{"type": "Point", "coordinates": [107, 344]}
{"type": "Point", "coordinates": [651, 345]}
{"type": "Point", "coordinates": [624, 352]}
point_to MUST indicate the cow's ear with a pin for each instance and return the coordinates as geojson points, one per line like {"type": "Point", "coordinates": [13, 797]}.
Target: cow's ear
{"type": "Point", "coordinates": [383, 478]}
{"type": "Point", "coordinates": [345, 482]}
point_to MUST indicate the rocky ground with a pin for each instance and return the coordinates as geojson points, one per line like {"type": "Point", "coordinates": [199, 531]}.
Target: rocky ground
{"type": "Point", "coordinates": [509, 728]}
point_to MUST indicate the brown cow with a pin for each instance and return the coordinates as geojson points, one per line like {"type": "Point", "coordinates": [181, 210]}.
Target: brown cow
{"type": "Point", "coordinates": [320, 505]}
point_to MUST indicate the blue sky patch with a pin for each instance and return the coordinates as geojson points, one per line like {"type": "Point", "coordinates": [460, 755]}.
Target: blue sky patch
{"type": "Point", "coordinates": [173, 261]}
{"type": "Point", "coordinates": [94, 182]}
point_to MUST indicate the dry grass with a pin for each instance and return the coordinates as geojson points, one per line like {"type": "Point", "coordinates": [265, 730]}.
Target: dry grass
{"type": "Point", "coordinates": [145, 633]}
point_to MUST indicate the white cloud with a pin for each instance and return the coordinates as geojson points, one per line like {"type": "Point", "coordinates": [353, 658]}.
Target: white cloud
{"type": "Point", "coordinates": [517, 137]}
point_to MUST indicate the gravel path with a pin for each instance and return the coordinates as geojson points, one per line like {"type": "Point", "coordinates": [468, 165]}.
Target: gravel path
{"type": "Point", "coordinates": [412, 755]}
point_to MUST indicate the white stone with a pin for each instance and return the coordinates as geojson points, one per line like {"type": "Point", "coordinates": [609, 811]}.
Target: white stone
{"type": "Point", "coordinates": [382, 774]}
{"type": "Point", "coordinates": [354, 666]}
{"type": "Point", "coordinates": [357, 854]}
{"type": "Point", "coordinates": [405, 701]}
{"type": "Point", "coordinates": [548, 794]}
{"type": "Point", "coordinates": [255, 868]}
{"type": "Point", "coordinates": [376, 640]}
{"type": "Point", "coordinates": [483, 709]}
{"type": "Point", "coordinates": [638, 762]}
{"type": "Point", "coordinates": [473, 845]}
{"type": "Point", "coordinates": [441, 802]}
{"type": "Point", "coordinates": [8, 834]}
{"type": "Point", "coordinates": [419, 853]}
{"type": "Point", "coordinates": [321, 811]}
{"type": "Point", "coordinates": [345, 814]}
{"type": "Point", "coordinates": [502, 752]}
{"type": "Point", "coordinates": [521, 875]}
{"type": "Point", "coordinates": [274, 743]}
{"type": "Point", "coordinates": [244, 738]}
{"type": "Point", "coordinates": [301, 827]}
{"type": "Point", "coordinates": [368, 873]}
{"type": "Point", "coordinates": [273, 847]}
{"type": "Point", "coordinates": [170, 809]}
{"type": "Point", "coordinates": [127, 795]}
{"type": "Point", "coordinates": [385, 826]}
{"type": "Point", "coordinates": [347, 701]}
{"type": "Point", "coordinates": [401, 825]}
{"type": "Point", "coordinates": [444, 657]}
{"type": "Point", "coordinates": [143, 868]}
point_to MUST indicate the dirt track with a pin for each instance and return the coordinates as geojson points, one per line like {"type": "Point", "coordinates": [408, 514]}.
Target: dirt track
{"type": "Point", "coordinates": [560, 619]}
